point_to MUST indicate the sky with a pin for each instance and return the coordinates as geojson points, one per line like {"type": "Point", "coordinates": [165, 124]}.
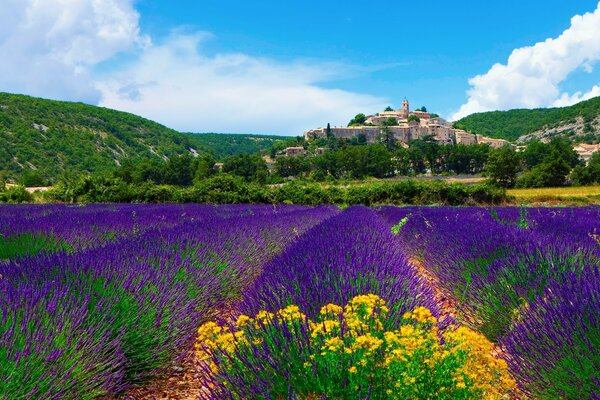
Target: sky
{"type": "Point", "coordinates": [282, 67]}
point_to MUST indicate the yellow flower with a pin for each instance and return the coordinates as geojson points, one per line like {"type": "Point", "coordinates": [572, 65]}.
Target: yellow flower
{"type": "Point", "coordinates": [327, 326]}
{"type": "Point", "coordinates": [242, 321]}
{"type": "Point", "coordinates": [367, 342]}
{"type": "Point", "coordinates": [291, 313]}
{"type": "Point", "coordinates": [331, 309]}
{"type": "Point", "coordinates": [352, 370]}
{"type": "Point", "coordinates": [333, 344]}
{"type": "Point", "coordinates": [421, 314]}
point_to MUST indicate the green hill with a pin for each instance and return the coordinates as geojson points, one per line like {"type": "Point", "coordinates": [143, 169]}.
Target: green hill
{"type": "Point", "coordinates": [577, 120]}
{"type": "Point", "coordinates": [47, 138]}
{"type": "Point", "coordinates": [230, 144]}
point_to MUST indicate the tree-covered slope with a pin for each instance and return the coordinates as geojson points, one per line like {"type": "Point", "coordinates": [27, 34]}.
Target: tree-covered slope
{"type": "Point", "coordinates": [580, 118]}
{"type": "Point", "coordinates": [227, 144]}
{"type": "Point", "coordinates": [47, 138]}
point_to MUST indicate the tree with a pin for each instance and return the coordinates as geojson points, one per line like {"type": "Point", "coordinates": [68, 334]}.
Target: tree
{"type": "Point", "coordinates": [389, 108]}
{"type": "Point", "coordinates": [413, 118]}
{"type": "Point", "coordinates": [534, 153]}
{"type": "Point", "coordinates": [423, 109]}
{"type": "Point", "coordinates": [32, 178]}
{"type": "Point", "coordinates": [250, 167]}
{"type": "Point", "coordinates": [203, 167]}
{"type": "Point", "coordinates": [391, 121]}
{"type": "Point", "coordinates": [551, 172]}
{"type": "Point", "coordinates": [386, 138]}
{"type": "Point", "coordinates": [589, 174]}
{"type": "Point", "coordinates": [291, 166]}
{"type": "Point", "coordinates": [332, 141]}
{"type": "Point", "coordinates": [359, 119]}
{"type": "Point", "coordinates": [502, 166]}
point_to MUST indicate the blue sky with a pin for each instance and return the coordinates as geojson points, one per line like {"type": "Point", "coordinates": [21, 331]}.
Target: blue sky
{"type": "Point", "coordinates": [282, 67]}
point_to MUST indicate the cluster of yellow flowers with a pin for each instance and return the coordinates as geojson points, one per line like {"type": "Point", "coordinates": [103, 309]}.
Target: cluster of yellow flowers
{"type": "Point", "coordinates": [405, 360]}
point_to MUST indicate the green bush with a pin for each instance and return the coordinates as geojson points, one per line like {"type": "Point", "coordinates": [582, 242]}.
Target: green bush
{"type": "Point", "coordinates": [15, 194]}
{"type": "Point", "coordinates": [229, 189]}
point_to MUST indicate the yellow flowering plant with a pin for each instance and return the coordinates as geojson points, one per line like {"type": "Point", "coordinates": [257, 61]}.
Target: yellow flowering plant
{"type": "Point", "coordinates": [346, 352]}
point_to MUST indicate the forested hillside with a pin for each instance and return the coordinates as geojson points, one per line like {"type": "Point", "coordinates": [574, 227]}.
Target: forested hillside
{"type": "Point", "coordinates": [41, 140]}
{"type": "Point", "coordinates": [580, 120]}
{"type": "Point", "coordinates": [226, 144]}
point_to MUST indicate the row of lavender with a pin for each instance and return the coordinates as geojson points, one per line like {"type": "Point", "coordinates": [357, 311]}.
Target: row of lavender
{"type": "Point", "coordinates": [527, 278]}
{"type": "Point", "coordinates": [122, 295]}
{"type": "Point", "coordinates": [352, 254]}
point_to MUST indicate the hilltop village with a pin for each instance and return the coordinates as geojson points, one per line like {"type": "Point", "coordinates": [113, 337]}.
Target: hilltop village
{"type": "Point", "coordinates": [405, 125]}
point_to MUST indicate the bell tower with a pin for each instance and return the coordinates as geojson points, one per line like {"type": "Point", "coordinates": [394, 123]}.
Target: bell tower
{"type": "Point", "coordinates": [405, 109]}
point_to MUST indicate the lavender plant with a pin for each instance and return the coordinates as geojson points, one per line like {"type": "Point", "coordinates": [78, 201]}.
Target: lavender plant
{"type": "Point", "coordinates": [554, 345]}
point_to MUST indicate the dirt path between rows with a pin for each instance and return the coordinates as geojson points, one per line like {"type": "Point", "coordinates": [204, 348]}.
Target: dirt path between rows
{"type": "Point", "coordinates": [184, 382]}
{"type": "Point", "coordinates": [447, 304]}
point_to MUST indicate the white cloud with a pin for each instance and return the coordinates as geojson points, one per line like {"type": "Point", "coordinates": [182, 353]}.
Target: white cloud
{"type": "Point", "coordinates": [49, 47]}
{"type": "Point", "coordinates": [566, 100]}
{"type": "Point", "coordinates": [53, 48]}
{"type": "Point", "coordinates": [179, 86]}
{"type": "Point", "coordinates": [532, 75]}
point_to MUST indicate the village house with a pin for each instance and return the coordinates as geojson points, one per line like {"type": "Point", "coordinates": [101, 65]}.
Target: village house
{"type": "Point", "coordinates": [585, 151]}
{"type": "Point", "coordinates": [409, 125]}
{"type": "Point", "coordinates": [294, 151]}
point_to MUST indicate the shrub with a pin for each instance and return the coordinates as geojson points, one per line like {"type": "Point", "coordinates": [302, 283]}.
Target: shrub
{"type": "Point", "coordinates": [15, 194]}
{"type": "Point", "coordinates": [347, 353]}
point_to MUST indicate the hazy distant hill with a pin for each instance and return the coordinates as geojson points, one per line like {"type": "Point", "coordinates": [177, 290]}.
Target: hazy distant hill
{"type": "Point", "coordinates": [51, 137]}
{"type": "Point", "coordinates": [580, 121]}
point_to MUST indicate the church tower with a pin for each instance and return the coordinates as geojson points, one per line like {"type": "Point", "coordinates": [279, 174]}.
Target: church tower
{"type": "Point", "coordinates": [405, 109]}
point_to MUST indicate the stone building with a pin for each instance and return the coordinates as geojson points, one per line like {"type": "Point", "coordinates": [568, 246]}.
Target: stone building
{"type": "Point", "coordinates": [405, 130]}
{"type": "Point", "coordinates": [294, 151]}
{"type": "Point", "coordinates": [585, 151]}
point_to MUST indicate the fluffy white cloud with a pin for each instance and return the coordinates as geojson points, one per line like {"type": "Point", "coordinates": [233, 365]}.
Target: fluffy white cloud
{"type": "Point", "coordinates": [49, 47]}
{"type": "Point", "coordinates": [176, 84]}
{"type": "Point", "coordinates": [53, 48]}
{"type": "Point", "coordinates": [566, 100]}
{"type": "Point", "coordinates": [532, 75]}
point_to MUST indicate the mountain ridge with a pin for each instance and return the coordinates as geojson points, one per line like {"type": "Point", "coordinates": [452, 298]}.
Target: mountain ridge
{"type": "Point", "coordinates": [580, 122]}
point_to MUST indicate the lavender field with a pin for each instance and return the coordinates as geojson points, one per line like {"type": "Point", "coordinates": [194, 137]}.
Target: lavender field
{"type": "Point", "coordinates": [275, 302]}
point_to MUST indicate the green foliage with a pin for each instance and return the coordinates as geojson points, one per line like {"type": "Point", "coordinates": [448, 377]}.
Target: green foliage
{"type": "Point", "coordinates": [229, 189]}
{"type": "Point", "coordinates": [354, 162]}
{"type": "Point", "coordinates": [40, 140]}
{"type": "Point", "coordinates": [359, 119]}
{"type": "Point", "coordinates": [502, 166]}
{"type": "Point", "coordinates": [391, 121]}
{"type": "Point", "coordinates": [414, 118]}
{"type": "Point", "coordinates": [511, 287]}
{"type": "Point", "coordinates": [396, 228]}
{"type": "Point", "coordinates": [29, 244]}
{"type": "Point", "coordinates": [347, 353]}
{"type": "Point", "coordinates": [32, 178]}
{"type": "Point", "coordinates": [510, 125]}
{"type": "Point", "coordinates": [589, 174]}
{"type": "Point", "coordinates": [15, 194]}
{"type": "Point", "coordinates": [249, 167]}
{"type": "Point", "coordinates": [223, 145]}
{"type": "Point", "coordinates": [389, 108]}
{"type": "Point", "coordinates": [423, 155]}
{"type": "Point", "coordinates": [292, 166]}
{"type": "Point", "coordinates": [56, 136]}
{"type": "Point", "coordinates": [552, 172]}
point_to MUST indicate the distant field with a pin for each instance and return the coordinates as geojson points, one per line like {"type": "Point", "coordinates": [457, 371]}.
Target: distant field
{"type": "Point", "coordinates": [562, 192]}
